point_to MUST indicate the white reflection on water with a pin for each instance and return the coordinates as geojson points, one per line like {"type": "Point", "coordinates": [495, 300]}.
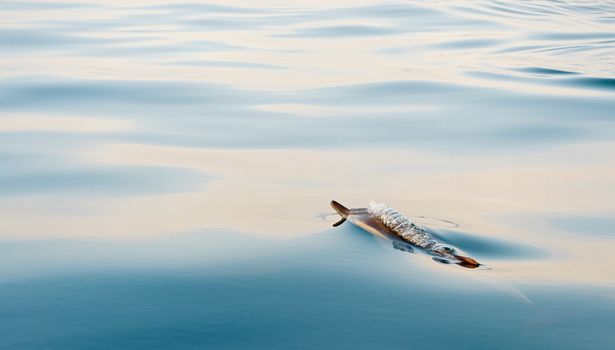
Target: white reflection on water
{"type": "Point", "coordinates": [278, 192]}
{"type": "Point", "coordinates": [409, 86]}
{"type": "Point", "coordinates": [125, 126]}
{"type": "Point", "coordinates": [465, 111]}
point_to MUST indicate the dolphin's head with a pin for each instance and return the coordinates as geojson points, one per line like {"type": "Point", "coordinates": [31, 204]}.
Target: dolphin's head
{"type": "Point", "coordinates": [466, 262]}
{"type": "Point", "coordinates": [449, 255]}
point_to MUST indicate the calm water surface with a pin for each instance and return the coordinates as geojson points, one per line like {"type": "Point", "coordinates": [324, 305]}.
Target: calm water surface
{"type": "Point", "coordinates": [166, 168]}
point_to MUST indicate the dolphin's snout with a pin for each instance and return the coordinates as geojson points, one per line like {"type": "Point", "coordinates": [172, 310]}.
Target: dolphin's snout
{"type": "Point", "coordinates": [467, 262]}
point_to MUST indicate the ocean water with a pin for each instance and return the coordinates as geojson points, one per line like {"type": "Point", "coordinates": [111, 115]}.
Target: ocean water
{"type": "Point", "coordinates": [166, 169]}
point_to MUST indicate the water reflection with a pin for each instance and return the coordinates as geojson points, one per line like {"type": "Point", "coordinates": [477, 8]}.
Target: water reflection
{"type": "Point", "coordinates": [107, 181]}
{"type": "Point", "coordinates": [211, 285]}
{"type": "Point", "coordinates": [124, 126]}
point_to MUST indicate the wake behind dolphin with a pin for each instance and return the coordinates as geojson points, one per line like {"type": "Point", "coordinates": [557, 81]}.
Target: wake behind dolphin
{"type": "Point", "coordinates": [383, 221]}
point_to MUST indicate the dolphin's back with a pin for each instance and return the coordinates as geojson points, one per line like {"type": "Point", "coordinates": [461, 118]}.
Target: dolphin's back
{"type": "Point", "coordinates": [365, 220]}
{"type": "Point", "coordinates": [402, 226]}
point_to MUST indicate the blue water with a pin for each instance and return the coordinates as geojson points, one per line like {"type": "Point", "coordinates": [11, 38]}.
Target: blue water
{"type": "Point", "coordinates": [166, 169]}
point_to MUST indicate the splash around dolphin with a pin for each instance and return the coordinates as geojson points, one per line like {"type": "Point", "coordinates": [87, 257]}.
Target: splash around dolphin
{"type": "Point", "coordinates": [383, 221]}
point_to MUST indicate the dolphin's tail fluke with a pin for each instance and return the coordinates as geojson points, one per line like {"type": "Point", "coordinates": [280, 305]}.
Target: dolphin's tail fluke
{"type": "Point", "coordinates": [341, 221]}
{"type": "Point", "coordinates": [342, 210]}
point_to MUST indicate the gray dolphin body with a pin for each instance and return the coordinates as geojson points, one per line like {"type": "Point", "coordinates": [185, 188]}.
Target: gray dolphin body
{"type": "Point", "coordinates": [384, 222]}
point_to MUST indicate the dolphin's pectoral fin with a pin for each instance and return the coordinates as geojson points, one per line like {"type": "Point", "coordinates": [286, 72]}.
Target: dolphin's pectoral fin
{"type": "Point", "coordinates": [339, 222]}
{"type": "Point", "coordinates": [403, 247]}
{"type": "Point", "coordinates": [440, 260]}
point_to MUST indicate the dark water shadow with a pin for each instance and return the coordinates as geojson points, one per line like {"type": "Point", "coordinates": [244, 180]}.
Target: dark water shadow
{"type": "Point", "coordinates": [492, 248]}
{"type": "Point", "coordinates": [544, 71]}
{"type": "Point", "coordinates": [550, 77]}
{"type": "Point", "coordinates": [586, 226]}
{"type": "Point", "coordinates": [168, 292]}
{"type": "Point", "coordinates": [103, 181]}
{"type": "Point", "coordinates": [592, 82]}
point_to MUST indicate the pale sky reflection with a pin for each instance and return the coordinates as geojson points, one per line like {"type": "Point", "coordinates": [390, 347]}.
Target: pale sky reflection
{"type": "Point", "coordinates": [129, 60]}
{"type": "Point", "coordinates": [410, 51]}
{"type": "Point", "coordinates": [15, 122]}
{"type": "Point", "coordinates": [279, 193]}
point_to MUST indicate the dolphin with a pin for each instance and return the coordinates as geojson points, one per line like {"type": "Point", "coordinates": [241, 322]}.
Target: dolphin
{"type": "Point", "coordinates": [383, 221]}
